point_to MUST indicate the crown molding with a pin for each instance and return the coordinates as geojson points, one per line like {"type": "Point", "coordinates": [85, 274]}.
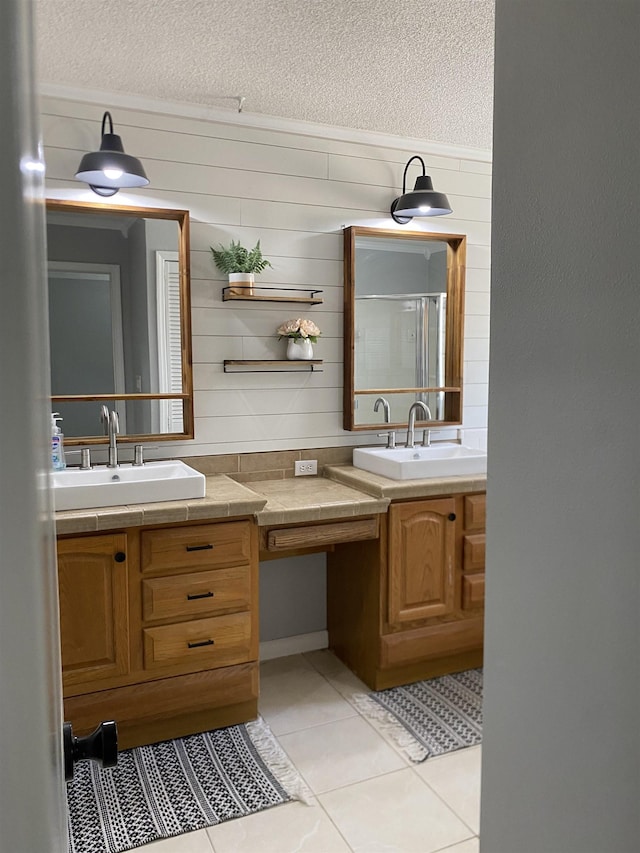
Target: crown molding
{"type": "Point", "coordinates": [262, 121]}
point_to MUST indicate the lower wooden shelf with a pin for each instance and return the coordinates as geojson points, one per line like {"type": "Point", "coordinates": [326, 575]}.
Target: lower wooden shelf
{"type": "Point", "coordinates": [271, 366]}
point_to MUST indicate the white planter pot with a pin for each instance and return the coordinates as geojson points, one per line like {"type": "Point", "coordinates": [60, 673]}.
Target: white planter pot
{"type": "Point", "coordinates": [299, 349]}
{"type": "Point", "coordinates": [241, 283]}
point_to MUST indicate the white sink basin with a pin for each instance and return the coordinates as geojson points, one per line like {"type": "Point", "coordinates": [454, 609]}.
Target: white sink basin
{"type": "Point", "coordinates": [74, 488]}
{"type": "Point", "coordinates": [402, 463]}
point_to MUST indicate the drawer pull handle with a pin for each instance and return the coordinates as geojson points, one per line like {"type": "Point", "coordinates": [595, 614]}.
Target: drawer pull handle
{"type": "Point", "coordinates": [199, 547]}
{"type": "Point", "coordinates": [193, 596]}
{"type": "Point", "coordinates": [200, 643]}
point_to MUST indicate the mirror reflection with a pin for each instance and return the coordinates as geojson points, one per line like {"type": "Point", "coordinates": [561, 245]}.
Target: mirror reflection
{"type": "Point", "coordinates": [119, 317]}
{"type": "Point", "coordinates": [402, 325]}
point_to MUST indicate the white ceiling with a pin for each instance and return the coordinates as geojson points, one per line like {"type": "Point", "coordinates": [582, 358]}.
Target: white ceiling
{"type": "Point", "coordinates": [414, 68]}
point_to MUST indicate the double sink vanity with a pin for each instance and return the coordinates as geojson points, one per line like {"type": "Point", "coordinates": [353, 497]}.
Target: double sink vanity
{"type": "Point", "coordinates": [159, 598]}
{"type": "Point", "coordinates": [158, 562]}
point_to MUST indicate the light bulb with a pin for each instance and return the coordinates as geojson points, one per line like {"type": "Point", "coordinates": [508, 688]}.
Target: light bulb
{"type": "Point", "coordinates": [424, 208]}
{"type": "Point", "coordinates": [112, 174]}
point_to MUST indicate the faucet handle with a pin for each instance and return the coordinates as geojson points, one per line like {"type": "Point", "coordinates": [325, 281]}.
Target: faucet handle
{"type": "Point", "coordinates": [138, 455]}
{"type": "Point", "coordinates": [85, 457]}
{"type": "Point", "coordinates": [391, 438]}
{"type": "Point", "coordinates": [426, 438]}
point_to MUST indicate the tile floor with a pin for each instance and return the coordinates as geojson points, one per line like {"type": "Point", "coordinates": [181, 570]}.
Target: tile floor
{"type": "Point", "coordinates": [368, 797]}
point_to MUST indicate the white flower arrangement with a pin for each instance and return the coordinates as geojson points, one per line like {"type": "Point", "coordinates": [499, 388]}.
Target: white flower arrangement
{"type": "Point", "coordinates": [299, 328]}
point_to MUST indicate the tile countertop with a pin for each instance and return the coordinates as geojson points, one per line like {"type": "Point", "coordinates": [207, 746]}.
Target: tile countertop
{"type": "Point", "coordinates": [224, 498]}
{"type": "Point", "coordinates": [343, 492]}
{"type": "Point", "coordinates": [383, 487]}
{"type": "Point", "coordinates": [313, 499]}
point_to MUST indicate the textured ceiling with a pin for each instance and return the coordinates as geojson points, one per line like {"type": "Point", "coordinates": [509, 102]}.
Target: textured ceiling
{"type": "Point", "coordinates": [416, 68]}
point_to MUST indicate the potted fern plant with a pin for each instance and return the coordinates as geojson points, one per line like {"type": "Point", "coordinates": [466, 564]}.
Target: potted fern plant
{"type": "Point", "coordinates": [241, 265]}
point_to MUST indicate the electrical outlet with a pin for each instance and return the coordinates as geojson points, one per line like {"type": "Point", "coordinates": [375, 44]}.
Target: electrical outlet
{"type": "Point", "coordinates": [305, 467]}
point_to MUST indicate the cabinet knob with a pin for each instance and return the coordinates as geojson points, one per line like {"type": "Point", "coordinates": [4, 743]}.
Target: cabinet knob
{"type": "Point", "coordinates": [452, 516]}
{"type": "Point", "coordinates": [120, 557]}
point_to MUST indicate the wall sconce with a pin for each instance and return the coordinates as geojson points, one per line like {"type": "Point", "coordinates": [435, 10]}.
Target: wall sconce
{"type": "Point", "coordinates": [110, 169]}
{"type": "Point", "coordinates": [423, 201]}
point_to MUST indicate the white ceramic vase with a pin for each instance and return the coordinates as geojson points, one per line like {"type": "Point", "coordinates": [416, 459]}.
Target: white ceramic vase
{"type": "Point", "coordinates": [300, 349]}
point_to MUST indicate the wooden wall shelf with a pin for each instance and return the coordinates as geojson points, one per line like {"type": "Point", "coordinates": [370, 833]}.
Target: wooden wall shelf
{"type": "Point", "coordinates": [238, 293]}
{"type": "Point", "coordinates": [271, 366]}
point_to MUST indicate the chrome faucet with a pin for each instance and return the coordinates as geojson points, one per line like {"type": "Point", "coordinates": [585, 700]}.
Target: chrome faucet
{"type": "Point", "coordinates": [411, 426]}
{"type": "Point", "coordinates": [111, 425]}
{"type": "Point", "coordinates": [386, 408]}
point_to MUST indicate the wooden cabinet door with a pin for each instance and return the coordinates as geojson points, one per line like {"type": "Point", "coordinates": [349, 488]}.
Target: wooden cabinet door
{"type": "Point", "coordinates": [92, 581]}
{"type": "Point", "coordinates": [421, 560]}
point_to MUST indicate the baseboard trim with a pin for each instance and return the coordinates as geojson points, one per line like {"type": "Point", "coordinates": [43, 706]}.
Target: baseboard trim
{"type": "Point", "coordinates": [294, 645]}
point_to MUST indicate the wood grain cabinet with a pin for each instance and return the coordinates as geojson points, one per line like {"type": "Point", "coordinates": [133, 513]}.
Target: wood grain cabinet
{"type": "Point", "coordinates": [94, 620]}
{"type": "Point", "coordinates": [159, 628]}
{"type": "Point", "coordinates": [421, 560]}
{"type": "Point", "coordinates": [410, 605]}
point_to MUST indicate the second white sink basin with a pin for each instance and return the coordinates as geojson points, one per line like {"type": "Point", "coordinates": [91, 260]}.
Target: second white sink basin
{"type": "Point", "coordinates": [403, 463]}
{"type": "Point", "coordinates": [172, 480]}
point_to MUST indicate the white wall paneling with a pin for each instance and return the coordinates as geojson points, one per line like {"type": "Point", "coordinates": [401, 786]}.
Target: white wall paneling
{"type": "Point", "coordinates": [293, 189]}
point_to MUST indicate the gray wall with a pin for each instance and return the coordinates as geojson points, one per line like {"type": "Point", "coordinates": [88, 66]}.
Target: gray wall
{"type": "Point", "coordinates": [32, 816]}
{"type": "Point", "coordinates": [561, 748]}
{"type": "Point", "coordinates": [293, 596]}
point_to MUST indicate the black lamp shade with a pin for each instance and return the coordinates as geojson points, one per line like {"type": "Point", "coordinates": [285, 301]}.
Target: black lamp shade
{"type": "Point", "coordinates": [110, 169]}
{"type": "Point", "coordinates": [422, 201]}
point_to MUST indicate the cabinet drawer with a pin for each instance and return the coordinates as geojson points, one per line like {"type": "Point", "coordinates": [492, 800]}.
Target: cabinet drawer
{"type": "Point", "coordinates": [473, 552]}
{"type": "Point", "coordinates": [472, 591]}
{"type": "Point", "coordinates": [475, 512]}
{"type": "Point", "coordinates": [203, 546]}
{"type": "Point", "coordinates": [196, 593]}
{"type": "Point", "coordinates": [206, 643]}
{"type": "Point", "coordinates": [351, 530]}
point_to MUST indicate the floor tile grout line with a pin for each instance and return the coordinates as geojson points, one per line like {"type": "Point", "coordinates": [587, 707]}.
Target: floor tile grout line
{"type": "Point", "coordinates": [305, 728]}
{"type": "Point", "coordinates": [443, 800]}
{"type": "Point", "coordinates": [389, 741]}
{"type": "Point", "coordinates": [411, 764]}
{"type": "Point", "coordinates": [340, 787]}
{"type": "Point", "coordinates": [455, 844]}
{"type": "Point", "coordinates": [333, 823]}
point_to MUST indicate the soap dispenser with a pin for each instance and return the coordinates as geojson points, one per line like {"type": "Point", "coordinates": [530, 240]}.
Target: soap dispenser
{"type": "Point", "coordinates": [57, 447]}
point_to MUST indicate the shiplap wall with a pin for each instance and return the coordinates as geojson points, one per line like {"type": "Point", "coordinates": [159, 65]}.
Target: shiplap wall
{"type": "Point", "coordinates": [295, 192]}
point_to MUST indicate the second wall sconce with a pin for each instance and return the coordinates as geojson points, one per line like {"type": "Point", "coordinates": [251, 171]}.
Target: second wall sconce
{"type": "Point", "coordinates": [110, 169]}
{"type": "Point", "coordinates": [423, 201]}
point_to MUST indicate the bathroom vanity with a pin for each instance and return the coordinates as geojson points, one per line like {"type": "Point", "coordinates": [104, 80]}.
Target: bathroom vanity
{"type": "Point", "coordinates": [158, 621]}
{"type": "Point", "coordinates": [159, 602]}
{"type": "Point", "coordinates": [410, 605]}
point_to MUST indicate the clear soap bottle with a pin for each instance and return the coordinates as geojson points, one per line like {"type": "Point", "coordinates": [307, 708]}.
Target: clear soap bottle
{"type": "Point", "coordinates": [57, 446]}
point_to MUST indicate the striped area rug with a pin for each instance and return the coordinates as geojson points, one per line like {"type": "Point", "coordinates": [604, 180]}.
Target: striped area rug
{"type": "Point", "coordinates": [431, 717]}
{"type": "Point", "coordinates": [178, 786]}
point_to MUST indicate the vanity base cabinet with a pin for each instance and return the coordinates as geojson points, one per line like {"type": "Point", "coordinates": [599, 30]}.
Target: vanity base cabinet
{"type": "Point", "coordinates": [163, 636]}
{"type": "Point", "coordinates": [410, 606]}
{"type": "Point", "coordinates": [170, 707]}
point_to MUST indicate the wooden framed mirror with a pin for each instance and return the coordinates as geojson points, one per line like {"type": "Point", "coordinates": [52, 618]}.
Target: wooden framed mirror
{"type": "Point", "coordinates": [403, 333]}
{"type": "Point", "coordinates": [120, 320]}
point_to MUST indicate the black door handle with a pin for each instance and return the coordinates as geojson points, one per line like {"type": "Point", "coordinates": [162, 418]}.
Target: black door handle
{"type": "Point", "coordinates": [101, 746]}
